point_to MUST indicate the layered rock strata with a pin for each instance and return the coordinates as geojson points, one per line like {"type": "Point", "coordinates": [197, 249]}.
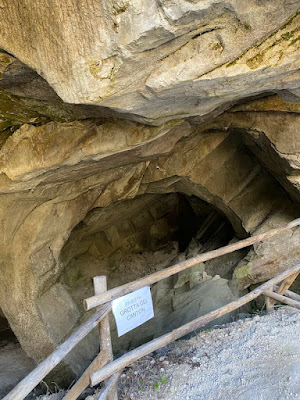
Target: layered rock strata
{"type": "Point", "coordinates": [118, 121]}
{"type": "Point", "coordinates": [57, 176]}
{"type": "Point", "coordinates": [157, 61]}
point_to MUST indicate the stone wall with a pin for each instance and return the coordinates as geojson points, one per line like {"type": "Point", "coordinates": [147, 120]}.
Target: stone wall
{"type": "Point", "coordinates": [133, 238]}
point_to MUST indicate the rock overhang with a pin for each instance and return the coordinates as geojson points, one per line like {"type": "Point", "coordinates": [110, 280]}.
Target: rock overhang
{"type": "Point", "coordinates": [157, 62]}
{"type": "Point", "coordinates": [76, 136]}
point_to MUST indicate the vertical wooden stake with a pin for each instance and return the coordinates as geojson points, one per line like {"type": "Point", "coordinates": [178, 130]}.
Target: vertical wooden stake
{"type": "Point", "coordinates": [281, 290]}
{"type": "Point", "coordinates": [100, 286]}
{"type": "Point", "coordinates": [287, 283]}
{"type": "Point", "coordinates": [270, 302]}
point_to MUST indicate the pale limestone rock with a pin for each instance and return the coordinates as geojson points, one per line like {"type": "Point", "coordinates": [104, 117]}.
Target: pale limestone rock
{"type": "Point", "coordinates": [270, 129]}
{"type": "Point", "coordinates": [67, 174]}
{"type": "Point", "coordinates": [159, 60]}
{"type": "Point", "coordinates": [274, 255]}
{"type": "Point", "coordinates": [63, 183]}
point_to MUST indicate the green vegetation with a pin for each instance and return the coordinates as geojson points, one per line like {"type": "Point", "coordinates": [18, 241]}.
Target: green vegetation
{"type": "Point", "coordinates": [256, 60]}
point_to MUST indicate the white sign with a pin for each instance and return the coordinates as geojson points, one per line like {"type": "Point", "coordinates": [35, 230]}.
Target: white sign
{"type": "Point", "coordinates": [132, 310]}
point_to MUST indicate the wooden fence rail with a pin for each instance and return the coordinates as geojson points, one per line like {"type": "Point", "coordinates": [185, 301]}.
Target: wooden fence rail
{"type": "Point", "coordinates": [290, 294]}
{"type": "Point", "coordinates": [162, 341]}
{"type": "Point", "coordinates": [112, 294]}
{"type": "Point", "coordinates": [103, 368]}
{"type": "Point", "coordinates": [27, 384]}
{"type": "Point", "coordinates": [102, 359]}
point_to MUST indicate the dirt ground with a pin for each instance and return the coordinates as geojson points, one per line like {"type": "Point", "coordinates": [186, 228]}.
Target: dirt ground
{"type": "Point", "coordinates": [14, 364]}
{"type": "Point", "coordinates": [256, 358]}
{"type": "Point", "coordinates": [251, 359]}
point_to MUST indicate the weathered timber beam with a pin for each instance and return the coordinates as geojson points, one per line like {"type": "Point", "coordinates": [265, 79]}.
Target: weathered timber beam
{"type": "Point", "coordinates": [26, 385]}
{"type": "Point", "coordinates": [282, 299]}
{"type": "Point", "coordinates": [110, 386]}
{"type": "Point", "coordinates": [290, 294]}
{"type": "Point", "coordinates": [83, 382]}
{"type": "Point", "coordinates": [112, 294]}
{"type": "Point", "coordinates": [134, 355]}
{"type": "Point", "coordinates": [284, 286]}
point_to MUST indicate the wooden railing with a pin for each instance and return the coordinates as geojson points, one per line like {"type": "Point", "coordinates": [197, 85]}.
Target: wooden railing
{"type": "Point", "coordinates": [103, 368]}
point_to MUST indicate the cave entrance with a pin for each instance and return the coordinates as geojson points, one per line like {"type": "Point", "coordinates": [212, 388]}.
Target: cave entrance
{"type": "Point", "coordinates": [133, 238]}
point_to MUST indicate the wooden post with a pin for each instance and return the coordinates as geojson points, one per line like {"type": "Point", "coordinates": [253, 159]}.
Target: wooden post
{"type": "Point", "coordinates": [26, 385]}
{"type": "Point", "coordinates": [119, 291]}
{"type": "Point", "coordinates": [270, 302]}
{"type": "Point", "coordinates": [100, 286]}
{"type": "Point", "coordinates": [282, 299]}
{"type": "Point", "coordinates": [284, 286]}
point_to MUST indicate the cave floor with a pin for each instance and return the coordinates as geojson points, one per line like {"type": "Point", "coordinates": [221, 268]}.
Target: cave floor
{"type": "Point", "coordinates": [14, 363]}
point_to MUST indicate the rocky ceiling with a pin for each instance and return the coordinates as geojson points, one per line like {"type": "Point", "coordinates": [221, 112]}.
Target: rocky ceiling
{"type": "Point", "coordinates": [152, 61]}
{"type": "Point", "coordinates": [104, 102]}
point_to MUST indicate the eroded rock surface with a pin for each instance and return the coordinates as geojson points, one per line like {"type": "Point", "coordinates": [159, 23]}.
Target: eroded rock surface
{"type": "Point", "coordinates": [66, 194]}
{"type": "Point", "coordinates": [155, 61]}
{"type": "Point", "coordinates": [86, 188]}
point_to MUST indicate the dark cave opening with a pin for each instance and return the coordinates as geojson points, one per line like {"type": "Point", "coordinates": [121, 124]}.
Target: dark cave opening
{"type": "Point", "coordinates": [133, 238]}
{"type": "Point", "coordinates": [14, 363]}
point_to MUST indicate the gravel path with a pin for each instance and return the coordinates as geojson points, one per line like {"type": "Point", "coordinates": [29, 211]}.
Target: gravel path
{"type": "Point", "coordinates": [256, 358]}
{"type": "Point", "coordinates": [253, 359]}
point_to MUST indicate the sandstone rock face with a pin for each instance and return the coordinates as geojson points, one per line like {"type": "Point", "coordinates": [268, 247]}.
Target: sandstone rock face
{"type": "Point", "coordinates": [160, 60]}
{"type": "Point", "coordinates": [64, 187]}
{"type": "Point", "coordinates": [269, 258]}
{"type": "Point", "coordinates": [136, 134]}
